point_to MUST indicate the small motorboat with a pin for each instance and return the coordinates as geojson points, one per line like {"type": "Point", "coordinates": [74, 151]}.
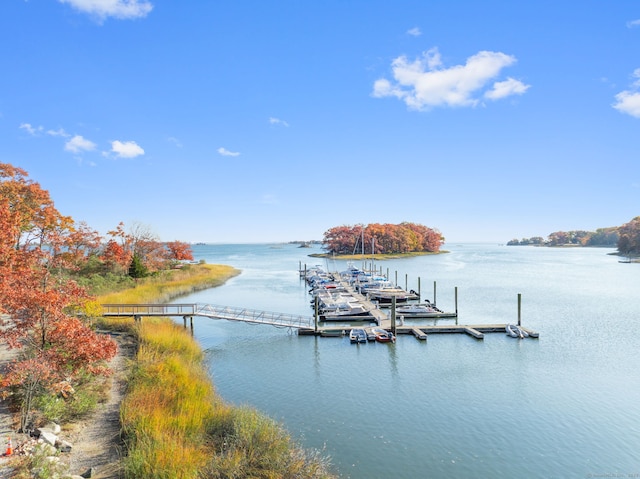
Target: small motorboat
{"type": "Point", "coordinates": [382, 335]}
{"type": "Point", "coordinates": [358, 335]}
{"type": "Point", "coordinates": [516, 331]}
{"type": "Point", "coordinates": [426, 310]}
{"type": "Point", "coordinates": [345, 312]}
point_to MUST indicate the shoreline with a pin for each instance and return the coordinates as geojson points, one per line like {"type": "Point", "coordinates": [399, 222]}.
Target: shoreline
{"type": "Point", "coordinates": [376, 256]}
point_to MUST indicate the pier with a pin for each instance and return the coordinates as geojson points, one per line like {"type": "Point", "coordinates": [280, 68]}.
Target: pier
{"type": "Point", "coordinates": [370, 313]}
{"type": "Point", "coordinates": [343, 285]}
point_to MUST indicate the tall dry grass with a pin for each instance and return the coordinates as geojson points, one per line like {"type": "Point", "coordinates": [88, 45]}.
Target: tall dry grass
{"type": "Point", "coordinates": [172, 284]}
{"type": "Point", "coordinates": [174, 425]}
{"type": "Point", "coordinates": [170, 400]}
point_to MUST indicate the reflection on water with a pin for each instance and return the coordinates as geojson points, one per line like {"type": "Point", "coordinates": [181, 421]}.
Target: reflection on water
{"type": "Point", "coordinates": [563, 406]}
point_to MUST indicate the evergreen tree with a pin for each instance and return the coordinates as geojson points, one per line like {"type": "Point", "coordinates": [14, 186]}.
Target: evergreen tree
{"type": "Point", "coordinates": [137, 269]}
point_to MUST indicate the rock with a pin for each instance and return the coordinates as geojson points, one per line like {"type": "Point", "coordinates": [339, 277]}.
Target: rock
{"type": "Point", "coordinates": [53, 427]}
{"type": "Point", "coordinates": [88, 473]}
{"type": "Point", "coordinates": [64, 446]}
{"type": "Point", "coordinates": [48, 437]}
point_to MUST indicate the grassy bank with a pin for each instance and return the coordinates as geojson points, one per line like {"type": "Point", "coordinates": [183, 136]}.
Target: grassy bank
{"type": "Point", "coordinates": [174, 424]}
{"type": "Point", "coordinates": [172, 284]}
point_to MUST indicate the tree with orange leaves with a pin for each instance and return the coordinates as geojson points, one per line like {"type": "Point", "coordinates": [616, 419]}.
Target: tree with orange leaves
{"type": "Point", "coordinates": [179, 251]}
{"type": "Point", "coordinates": [37, 243]}
{"type": "Point", "coordinates": [382, 238]}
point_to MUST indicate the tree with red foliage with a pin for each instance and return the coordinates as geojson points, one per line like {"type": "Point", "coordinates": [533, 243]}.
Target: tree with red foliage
{"type": "Point", "coordinates": [141, 245]}
{"type": "Point", "coordinates": [36, 244]}
{"type": "Point", "coordinates": [629, 240]}
{"type": "Point", "coordinates": [180, 251]}
{"type": "Point", "coordinates": [382, 238]}
{"type": "Point", "coordinates": [115, 257]}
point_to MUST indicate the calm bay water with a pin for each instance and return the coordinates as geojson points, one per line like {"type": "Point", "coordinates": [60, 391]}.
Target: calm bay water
{"type": "Point", "coordinates": [563, 406]}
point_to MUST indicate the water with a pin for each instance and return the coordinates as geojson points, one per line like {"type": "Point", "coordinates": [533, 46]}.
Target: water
{"type": "Point", "coordinates": [563, 406]}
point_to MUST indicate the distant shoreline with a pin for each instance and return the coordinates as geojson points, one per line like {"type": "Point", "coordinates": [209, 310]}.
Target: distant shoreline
{"type": "Point", "coordinates": [380, 256]}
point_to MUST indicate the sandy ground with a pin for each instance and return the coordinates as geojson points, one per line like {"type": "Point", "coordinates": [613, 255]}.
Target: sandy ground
{"type": "Point", "coordinates": [96, 440]}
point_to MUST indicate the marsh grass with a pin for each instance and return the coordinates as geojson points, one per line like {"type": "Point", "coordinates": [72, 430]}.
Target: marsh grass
{"type": "Point", "coordinates": [173, 423]}
{"type": "Point", "coordinates": [172, 284]}
{"type": "Point", "coordinates": [168, 404]}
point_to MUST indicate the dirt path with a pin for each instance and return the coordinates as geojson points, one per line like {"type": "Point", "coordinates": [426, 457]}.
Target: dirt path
{"type": "Point", "coordinates": [7, 428]}
{"type": "Point", "coordinates": [96, 440]}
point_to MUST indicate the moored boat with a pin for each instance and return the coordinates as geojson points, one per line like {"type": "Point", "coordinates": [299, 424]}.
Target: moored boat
{"type": "Point", "coordinates": [422, 311]}
{"type": "Point", "coordinates": [382, 335]}
{"type": "Point", "coordinates": [516, 331]}
{"type": "Point", "coordinates": [358, 335]}
{"type": "Point", "coordinates": [345, 311]}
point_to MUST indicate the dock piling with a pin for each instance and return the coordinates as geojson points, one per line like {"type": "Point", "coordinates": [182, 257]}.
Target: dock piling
{"type": "Point", "coordinates": [435, 303]}
{"type": "Point", "coordinates": [393, 315]}
{"type": "Point", "coordinates": [519, 309]}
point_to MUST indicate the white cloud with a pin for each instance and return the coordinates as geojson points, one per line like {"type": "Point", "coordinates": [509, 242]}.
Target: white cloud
{"type": "Point", "coordinates": [78, 144]}
{"type": "Point", "coordinates": [636, 74]}
{"type": "Point", "coordinates": [425, 83]}
{"type": "Point", "coordinates": [58, 132]}
{"type": "Point", "coordinates": [175, 141]}
{"type": "Point", "coordinates": [126, 149]}
{"type": "Point", "coordinates": [628, 101]}
{"type": "Point", "coordinates": [32, 130]}
{"type": "Point", "coordinates": [277, 121]}
{"type": "Point", "coordinates": [633, 23]}
{"type": "Point", "coordinates": [502, 89]}
{"type": "Point", "coordinates": [415, 31]}
{"type": "Point", "coordinates": [225, 152]}
{"type": "Point", "coordinates": [121, 9]}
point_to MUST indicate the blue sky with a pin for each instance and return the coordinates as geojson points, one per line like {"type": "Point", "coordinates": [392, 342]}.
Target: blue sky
{"type": "Point", "coordinates": [250, 121]}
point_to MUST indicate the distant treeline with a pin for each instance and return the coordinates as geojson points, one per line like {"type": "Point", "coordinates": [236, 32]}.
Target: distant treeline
{"type": "Point", "coordinates": [626, 238]}
{"type": "Point", "coordinates": [382, 239]}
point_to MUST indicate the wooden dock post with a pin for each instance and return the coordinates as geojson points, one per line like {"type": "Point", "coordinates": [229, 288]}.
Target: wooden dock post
{"type": "Point", "coordinates": [315, 314]}
{"type": "Point", "coordinates": [393, 315]}
{"type": "Point", "coordinates": [184, 322]}
{"type": "Point", "coordinates": [519, 309]}
{"type": "Point", "coordinates": [396, 283]}
{"type": "Point", "coordinates": [406, 282]}
{"type": "Point", "coordinates": [419, 295]}
{"type": "Point", "coordinates": [455, 294]}
{"type": "Point", "coordinates": [434, 294]}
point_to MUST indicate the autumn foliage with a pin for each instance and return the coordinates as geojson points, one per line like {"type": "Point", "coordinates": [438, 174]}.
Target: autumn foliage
{"type": "Point", "coordinates": [629, 241]}
{"type": "Point", "coordinates": [37, 299]}
{"type": "Point", "coordinates": [382, 239]}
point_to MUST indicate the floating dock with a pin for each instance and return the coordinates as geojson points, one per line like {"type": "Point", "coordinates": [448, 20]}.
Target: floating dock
{"type": "Point", "coordinates": [384, 320]}
{"type": "Point", "coordinates": [476, 331]}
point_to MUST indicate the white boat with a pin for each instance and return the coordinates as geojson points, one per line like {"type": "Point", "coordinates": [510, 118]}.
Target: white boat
{"type": "Point", "coordinates": [358, 335]}
{"type": "Point", "coordinates": [382, 335]}
{"type": "Point", "coordinates": [346, 311]}
{"type": "Point", "coordinates": [385, 294]}
{"type": "Point", "coordinates": [516, 331]}
{"type": "Point", "coordinates": [422, 311]}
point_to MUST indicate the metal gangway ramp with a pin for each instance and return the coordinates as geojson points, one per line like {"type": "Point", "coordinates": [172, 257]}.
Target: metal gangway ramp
{"type": "Point", "coordinates": [213, 311]}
